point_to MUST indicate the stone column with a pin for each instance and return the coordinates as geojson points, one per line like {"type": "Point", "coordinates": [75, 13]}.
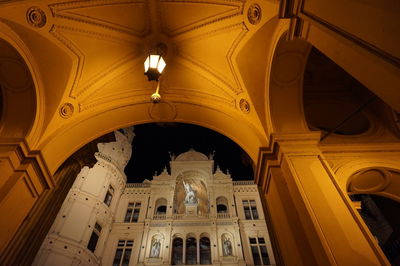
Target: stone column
{"type": "Point", "coordinates": [184, 251]}
{"type": "Point", "coordinates": [312, 219]}
{"type": "Point", "coordinates": [198, 251]}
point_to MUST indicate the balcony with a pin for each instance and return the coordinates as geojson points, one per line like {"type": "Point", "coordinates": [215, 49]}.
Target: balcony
{"type": "Point", "coordinates": [223, 216]}
{"type": "Point", "coordinates": [159, 217]}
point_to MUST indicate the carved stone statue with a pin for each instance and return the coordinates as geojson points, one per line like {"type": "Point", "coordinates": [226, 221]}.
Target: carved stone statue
{"type": "Point", "coordinates": [190, 194]}
{"type": "Point", "coordinates": [227, 247]}
{"type": "Point", "coordinates": [155, 248]}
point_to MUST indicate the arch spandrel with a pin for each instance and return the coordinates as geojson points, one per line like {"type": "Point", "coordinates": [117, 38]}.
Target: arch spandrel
{"type": "Point", "coordinates": [58, 146]}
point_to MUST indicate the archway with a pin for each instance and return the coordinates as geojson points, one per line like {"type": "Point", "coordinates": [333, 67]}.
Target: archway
{"type": "Point", "coordinates": [375, 194]}
{"type": "Point", "coordinates": [284, 95]}
{"type": "Point", "coordinates": [18, 116]}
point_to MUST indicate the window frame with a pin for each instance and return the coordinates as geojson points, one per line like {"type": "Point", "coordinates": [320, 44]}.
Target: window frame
{"type": "Point", "coordinates": [133, 208]}
{"type": "Point", "coordinates": [260, 246]}
{"type": "Point", "coordinates": [109, 195]}
{"type": "Point", "coordinates": [251, 205]}
{"type": "Point", "coordinates": [94, 237]}
{"type": "Point", "coordinates": [127, 245]}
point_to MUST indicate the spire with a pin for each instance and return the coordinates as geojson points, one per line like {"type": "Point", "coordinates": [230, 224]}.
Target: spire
{"type": "Point", "coordinates": [218, 170]}
{"type": "Point", "coordinates": [171, 156]}
{"type": "Point", "coordinates": [211, 155]}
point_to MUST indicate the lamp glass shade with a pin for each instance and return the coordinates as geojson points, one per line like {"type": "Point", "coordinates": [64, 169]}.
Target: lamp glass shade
{"type": "Point", "coordinates": [154, 66]}
{"type": "Point", "coordinates": [154, 58]}
{"type": "Point", "coordinates": [147, 64]}
{"type": "Point", "coordinates": [161, 65]}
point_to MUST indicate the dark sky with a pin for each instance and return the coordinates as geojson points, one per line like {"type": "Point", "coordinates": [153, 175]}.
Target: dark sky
{"type": "Point", "coordinates": [153, 142]}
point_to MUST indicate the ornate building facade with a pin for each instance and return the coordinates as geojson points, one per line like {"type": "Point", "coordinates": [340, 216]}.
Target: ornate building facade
{"type": "Point", "coordinates": [194, 215]}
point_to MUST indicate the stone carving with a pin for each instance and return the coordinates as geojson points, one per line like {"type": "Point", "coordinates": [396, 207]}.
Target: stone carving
{"type": "Point", "coordinates": [155, 248]}
{"type": "Point", "coordinates": [36, 17]}
{"type": "Point", "coordinates": [244, 106]}
{"type": "Point", "coordinates": [66, 110]}
{"type": "Point", "coordinates": [190, 194]}
{"type": "Point", "coordinates": [254, 14]}
{"type": "Point", "coordinates": [227, 246]}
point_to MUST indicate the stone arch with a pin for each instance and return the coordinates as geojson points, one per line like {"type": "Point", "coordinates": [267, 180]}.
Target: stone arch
{"type": "Point", "coordinates": [205, 234]}
{"type": "Point", "coordinates": [178, 235]}
{"type": "Point", "coordinates": [285, 80]}
{"type": "Point", "coordinates": [90, 125]}
{"type": "Point", "coordinates": [205, 248]}
{"type": "Point", "coordinates": [222, 202]}
{"type": "Point", "coordinates": [345, 170]}
{"type": "Point", "coordinates": [177, 249]}
{"type": "Point", "coordinates": [160, 206]}
{"type": "Point", "coordinates": [191, 235]}
{"type": "Point", "coordinates": [191, 242]}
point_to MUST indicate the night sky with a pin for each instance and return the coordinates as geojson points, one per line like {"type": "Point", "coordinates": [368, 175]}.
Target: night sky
{"type": "Point", "coordinates": [153, 143]}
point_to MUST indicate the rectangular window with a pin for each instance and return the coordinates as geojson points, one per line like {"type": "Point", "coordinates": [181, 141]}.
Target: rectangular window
{"type": "Point", "coordinates": [132, 213]}
{"type": "Point", "coordinates": [109, 196]}
{"type": "Point", "coordinates": [94, 237]}
{"type": "Point", "coordinates": [123, 253]}
{"type": "Point", "coordinates": [259, 251]}
{"type": "Point", "coordinates": [250, 209]}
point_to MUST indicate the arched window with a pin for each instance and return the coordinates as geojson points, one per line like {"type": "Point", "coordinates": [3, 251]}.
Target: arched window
{"type": "Point", "coordinates": [160, 209]}
{"type": "Point", "coordinates": [191, 251]}
{"type": "Point", "coordinates": [221, 208]}
{"type": "Point", "coordinates": [222, 205]}
{"type": "Point", "coordinates": [205, 251]}
{"type": "Point", "coordinates": [177, 251]}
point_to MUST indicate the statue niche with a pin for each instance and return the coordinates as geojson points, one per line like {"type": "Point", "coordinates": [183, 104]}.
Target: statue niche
{"type": "Point", "coordinates": [191, 196]}
{"type": "Point", "coordinates": [226, 245]}
{"type": "Point", "coordinates": [155, 248]}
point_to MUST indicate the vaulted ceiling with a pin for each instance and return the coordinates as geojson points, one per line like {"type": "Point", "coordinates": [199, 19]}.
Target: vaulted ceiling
{"type": "Point", "coordinates": [86, 58]}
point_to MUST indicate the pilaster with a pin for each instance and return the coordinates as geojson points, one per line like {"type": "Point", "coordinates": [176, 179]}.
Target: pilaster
{"type": "Point", "coordinates": [25, 182]}
{"type": "Point", "coordinates": [313, 221]}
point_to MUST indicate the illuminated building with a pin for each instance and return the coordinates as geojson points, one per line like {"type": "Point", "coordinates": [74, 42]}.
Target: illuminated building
{"type": "Point", "coordinates": [309, 89]}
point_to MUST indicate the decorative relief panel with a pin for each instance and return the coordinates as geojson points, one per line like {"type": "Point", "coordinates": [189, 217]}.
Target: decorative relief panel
{"type": "Point", "coordinates": [244, 106]}
{"type": "Point", "coordinates": [215, 64]}
{"type": "Point", "coordinates": [66, 110]}
{"type": "Point", "coordinates": [195, 14]}
{"type": "Point", "coordinates": [92, 70]}
{"type": "Point", "coordinates": [36, 17]}
{"type": "Point", "coordinates": [128, 17]}
{"type": "Point", "coordinates": [118, 31]}
{"type": "Point", "coordinates": [254, 13]}
{"type": "Point", "coordinates": [193, 224]}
